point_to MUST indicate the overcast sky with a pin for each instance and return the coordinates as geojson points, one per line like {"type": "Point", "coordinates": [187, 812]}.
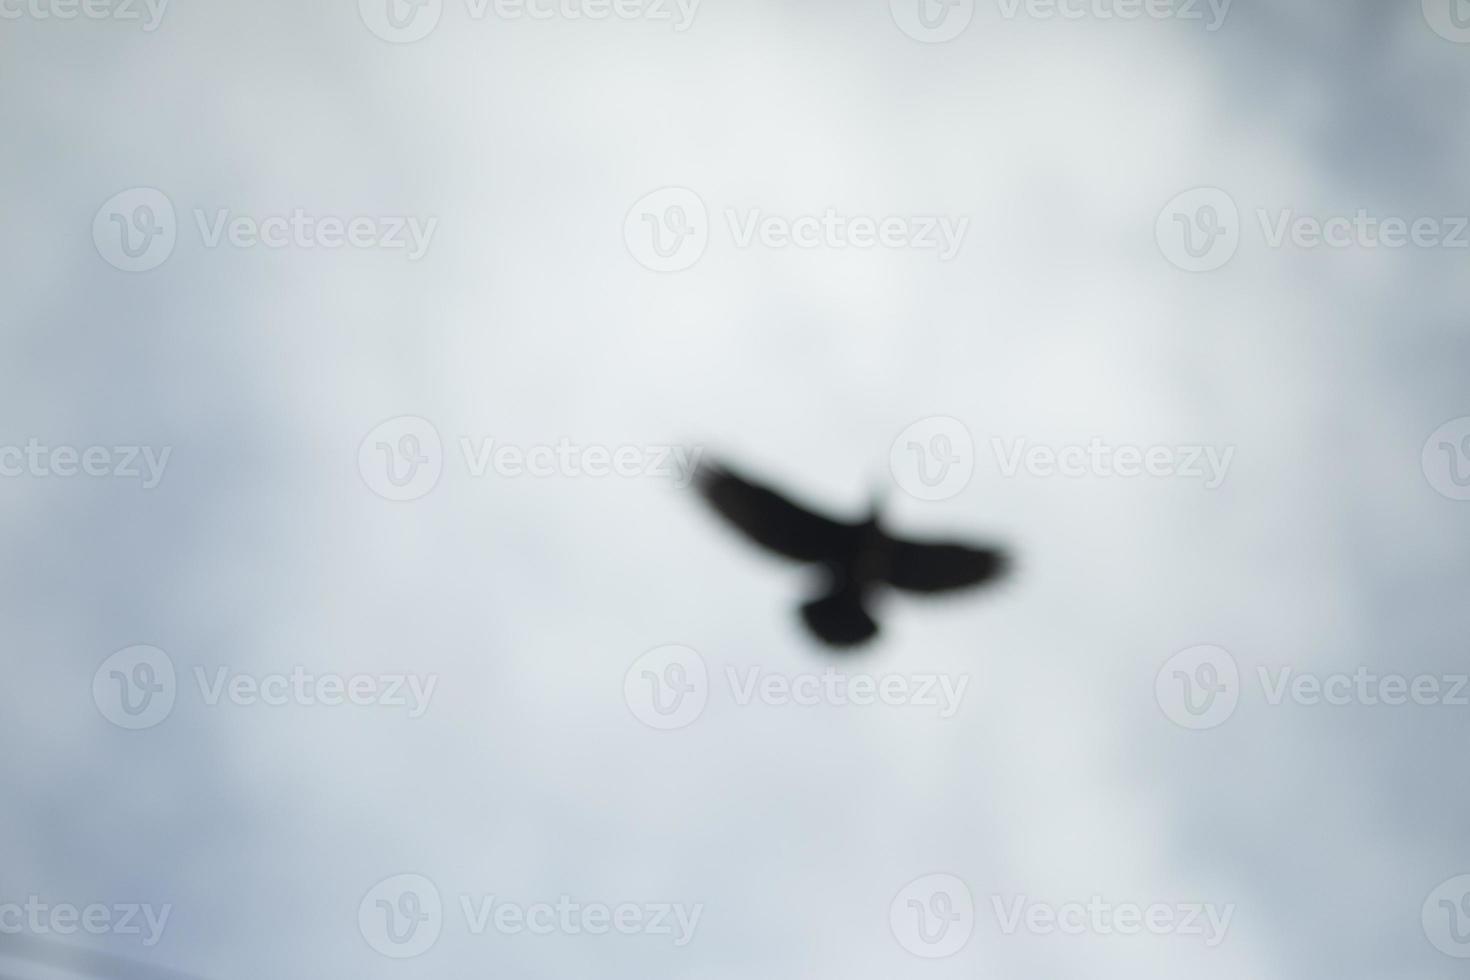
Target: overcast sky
{"type": "Point", "coordinates": [465, 254]}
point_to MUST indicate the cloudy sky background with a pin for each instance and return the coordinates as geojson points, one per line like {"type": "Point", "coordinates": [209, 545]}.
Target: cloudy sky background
{"type": "Point", "coordinates": [529, 321]}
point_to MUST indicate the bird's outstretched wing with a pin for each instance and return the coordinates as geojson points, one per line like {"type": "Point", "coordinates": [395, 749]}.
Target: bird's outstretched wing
{"type": "Point", "coordinates": [919, 567]}
{"type": "Point", "coordinates": [770, 519]}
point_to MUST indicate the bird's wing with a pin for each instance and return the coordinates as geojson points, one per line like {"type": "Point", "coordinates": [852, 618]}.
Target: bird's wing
{"type": "Point", "coordinates": [921, 567]}
{"type": "Point", "coordinates": [770, 519]}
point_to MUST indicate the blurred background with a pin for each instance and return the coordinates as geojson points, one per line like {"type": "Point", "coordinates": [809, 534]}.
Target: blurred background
{"type": "Point", "coordinates": [581, 178]}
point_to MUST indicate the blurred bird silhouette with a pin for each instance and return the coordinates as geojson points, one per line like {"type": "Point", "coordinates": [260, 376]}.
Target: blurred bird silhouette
{"type": "Point", "coordinates": [858, 558]}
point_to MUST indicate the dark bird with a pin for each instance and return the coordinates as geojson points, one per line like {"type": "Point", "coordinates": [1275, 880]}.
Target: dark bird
{"type": "Point", "coordinates": [859, 558]}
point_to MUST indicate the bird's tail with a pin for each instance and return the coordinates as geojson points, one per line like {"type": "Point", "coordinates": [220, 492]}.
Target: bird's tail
{"type": "Point", "coordinates": [840, 619]}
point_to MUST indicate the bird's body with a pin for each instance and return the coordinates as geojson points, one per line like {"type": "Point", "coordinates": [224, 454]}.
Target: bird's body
{"type": "Point", "coordinates": [858, 558]}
